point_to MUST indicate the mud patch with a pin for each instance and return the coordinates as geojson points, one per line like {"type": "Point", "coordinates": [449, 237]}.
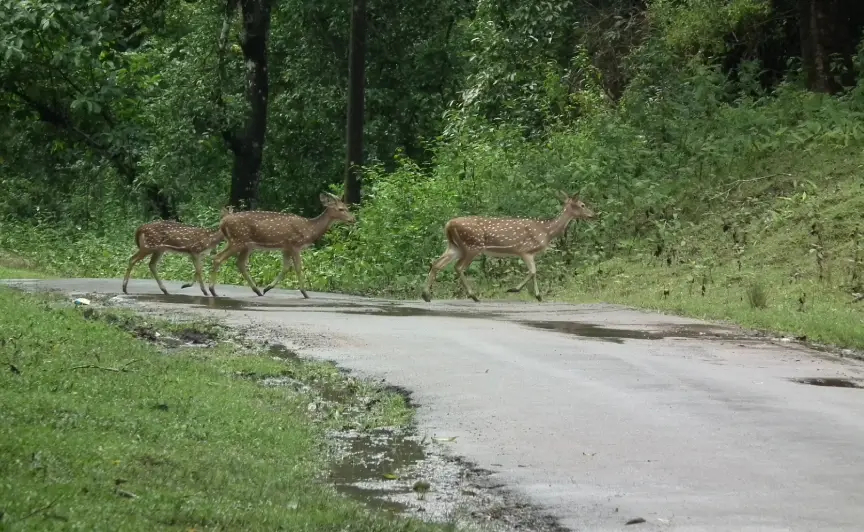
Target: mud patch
{"type": "Point", "coordinates": [281, 352]}
{"type": "Point", "coordinates": [400, 472]}
{"type": "Point", "coordinates": [609, 334]}
{"type": "Point", "coordinates": [167, 334]}
{"type": "Point", "coordinates": [834, 382]}
{"type": "Point", "coordinates": [367, 470]}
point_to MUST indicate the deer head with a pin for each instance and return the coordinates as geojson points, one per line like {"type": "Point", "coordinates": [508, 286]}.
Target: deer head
{"type": "Point", "coordinates": [335, 208]}
{"type": "Point", "coordinates": [575, 207]}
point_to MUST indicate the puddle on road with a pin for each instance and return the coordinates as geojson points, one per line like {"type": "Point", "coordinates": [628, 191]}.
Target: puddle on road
{"type": "Point", "coordinates": [609, 334]}
{"type": "Point", "coordinates": [834, 382]}
{"type": "Point", "coordinates": [396, 311]}
{"type": "Point", "coordinates": [230, 303]}
{"type": "Point", "coordinates": [387, 309]}
{"type": "Point", "coordinates": [369, 458]}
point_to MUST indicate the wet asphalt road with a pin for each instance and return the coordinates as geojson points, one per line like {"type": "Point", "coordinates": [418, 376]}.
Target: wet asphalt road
{"type": "Point", "coordinates": [597, 413]}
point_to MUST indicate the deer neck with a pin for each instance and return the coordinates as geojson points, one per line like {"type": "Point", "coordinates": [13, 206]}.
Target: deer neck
{"type": "Point", "coordinates": [319, 225]}
{"type": "Point", "coordinates": [556, 226]}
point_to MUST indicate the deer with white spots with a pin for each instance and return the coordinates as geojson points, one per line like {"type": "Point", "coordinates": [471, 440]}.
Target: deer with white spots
{"type": "Point", "coordinates": [164, 236]}
{"type": "Point", "coordinates": [471, 236]}
{"type": "Point", "coordinates": [289, 233]}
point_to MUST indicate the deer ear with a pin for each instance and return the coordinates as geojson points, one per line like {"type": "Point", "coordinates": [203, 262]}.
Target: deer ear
{"type": "Point", "coordinates": [562, 196]}
{"type": "Point", "coordinates": [327, 198]}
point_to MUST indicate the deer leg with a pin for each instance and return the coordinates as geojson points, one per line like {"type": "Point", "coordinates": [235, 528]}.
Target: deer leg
{"type": "Point", "coordinates": [221, 257]}
{"type": "Point", "coordinates": [532, 270]}
{"type": "Point", "coordinates": [154, 261]}
{"type": "Point", "coordinates": [132, 262]}
{"type": "Point", "coordinates": [199, 274]}
{"type": "Point", "coordinates": [286, 257]}
{"type": "Point", "coordinates": [190, 283]}
{"type": "Point", "coordinates": [298, 267]}
{"type": "Point", "coordinates": [440, 263]}
{"type": "Point", "coordinates": [243, 266]}
{"type": "Point", "coordinates": [465, 261]}
{"type": "Point", "coordinates": [532, 274]}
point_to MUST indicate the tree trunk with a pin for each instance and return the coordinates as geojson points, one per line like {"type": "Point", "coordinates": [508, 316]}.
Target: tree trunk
{"type": "Point", "coordinates": [248, 145]}
{"type": "Point", "coordinates": [356, 93]}
{"type": "Point", "coordinates": [826, 36]}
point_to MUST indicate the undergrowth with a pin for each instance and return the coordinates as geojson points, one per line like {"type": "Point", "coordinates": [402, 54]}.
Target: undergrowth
{"type": "Point", "coordinates": [705, 190]}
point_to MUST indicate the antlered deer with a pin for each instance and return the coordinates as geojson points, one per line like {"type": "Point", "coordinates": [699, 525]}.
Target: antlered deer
{"type": "Point", "coordinates": [252, 230]}
{"type": "Point", "coordinates": [163, 236]}
{"type": "Point", "coordinates": [470, 236]}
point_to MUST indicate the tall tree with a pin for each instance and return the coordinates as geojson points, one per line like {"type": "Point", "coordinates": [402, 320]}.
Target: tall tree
{"type": "Point", "coordinates": [830, 30]}
{"type": "Point", "coordinates": [246, 142]}
{"type": "Point", "coordinates": [356, 97]}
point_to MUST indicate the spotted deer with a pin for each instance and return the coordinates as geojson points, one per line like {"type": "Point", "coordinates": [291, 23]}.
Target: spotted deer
{"type": "Point", "coordinates": [471, 236]}
{"type": "Point", "coordinates": [165, 236]}
{"type": "Point", "coordinates": [289, 233]}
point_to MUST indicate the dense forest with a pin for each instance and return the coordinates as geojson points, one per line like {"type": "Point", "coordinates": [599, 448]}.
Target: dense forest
{"type": "Point", "coordinates": [664, 115]}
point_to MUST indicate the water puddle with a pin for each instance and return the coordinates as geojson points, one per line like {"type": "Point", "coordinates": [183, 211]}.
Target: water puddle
{"type": "Point", "coordinates": [834, 382]}
{"type": "Point", "coordinates": [610, 334]}
{"type": "Point", "coordinates": [398, 311]}
{"type": "Point", "coordinates": [281, 352]}
{"type": "Point", "coordinates": [370, 464]}
{"type": "Point", "coordinates": [230, 303]}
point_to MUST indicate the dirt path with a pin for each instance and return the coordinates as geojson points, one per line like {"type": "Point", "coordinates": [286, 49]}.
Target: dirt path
{"type": "Point", "coordinates": [597, 413]}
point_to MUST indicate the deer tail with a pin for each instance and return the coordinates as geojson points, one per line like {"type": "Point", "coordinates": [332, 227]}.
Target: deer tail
{"type": "Point", "coordinates": [139, 235]}
{"type": "Point", "coordinates": [452, 234]}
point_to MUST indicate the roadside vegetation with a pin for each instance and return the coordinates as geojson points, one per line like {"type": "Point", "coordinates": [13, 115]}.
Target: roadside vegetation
{"type": "Point", "coordinates": [100, 430]}
{"type": "Point", "coordinates": [722, 142]}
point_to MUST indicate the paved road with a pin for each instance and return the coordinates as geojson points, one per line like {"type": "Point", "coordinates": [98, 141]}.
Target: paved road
{"type": "Point", "coordinates": [598, 413]}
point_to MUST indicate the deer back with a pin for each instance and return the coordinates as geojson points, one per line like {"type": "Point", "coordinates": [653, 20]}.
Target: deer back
{"type": "Point", "coordinates": [164, 234]}
{"type": "Point", "coordinates": [266, 229]}
{"type": "Point", "coordinates": [497, 235]}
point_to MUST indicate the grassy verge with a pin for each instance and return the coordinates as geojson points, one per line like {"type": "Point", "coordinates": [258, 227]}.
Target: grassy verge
{"type": "Point", "coordinates": [778, 248]}
{"type": "Point", "coordinates": [781, 251]}
{"type": "Point", "coordinates": [101, 431]}
{"type": "Point", "coordinates": [12, 267]}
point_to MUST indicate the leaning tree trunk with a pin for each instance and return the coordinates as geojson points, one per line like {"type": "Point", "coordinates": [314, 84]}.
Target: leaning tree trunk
{"type": "Point", "coordinates": [356, 96]}
{"type": "Point", "coordinates": [248, 143]}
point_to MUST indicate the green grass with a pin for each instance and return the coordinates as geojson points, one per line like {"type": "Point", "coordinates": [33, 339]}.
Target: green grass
{"type": "Point", "coordinates": [775, 202]}
{"type": "Point", "coordinates": [100, 431]}
{"type": "Point", "coordinates": [781, 256]}
{"type": "Point", "coordinates": [12, 267]}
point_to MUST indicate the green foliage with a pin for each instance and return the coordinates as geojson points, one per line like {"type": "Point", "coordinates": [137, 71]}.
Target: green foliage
{"type": "Point", "coordinates": [657, 115]}
{"type": "Point", "coordinates": [757, 296]}
{"type": "Point", "coordinates": [699, 26]}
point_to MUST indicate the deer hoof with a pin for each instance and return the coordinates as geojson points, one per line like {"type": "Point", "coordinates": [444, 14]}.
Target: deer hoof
{"type": "Point", "coordinates": [212, 291]}
{"type": "Point", "coordinates": [187, 285]}
{"type": "Point", "coordinates": [538, 297]}
{"type": "Point", "coordinates": [513, 290]}
{"type": "Point", "coordinates": [472, 296]}
{"type": "Point", "coordinates": [426, 297]}
{"type": "Point", "coordinates": [305, 295]}
{"type": "Point", "coordinates": [267, 289]}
